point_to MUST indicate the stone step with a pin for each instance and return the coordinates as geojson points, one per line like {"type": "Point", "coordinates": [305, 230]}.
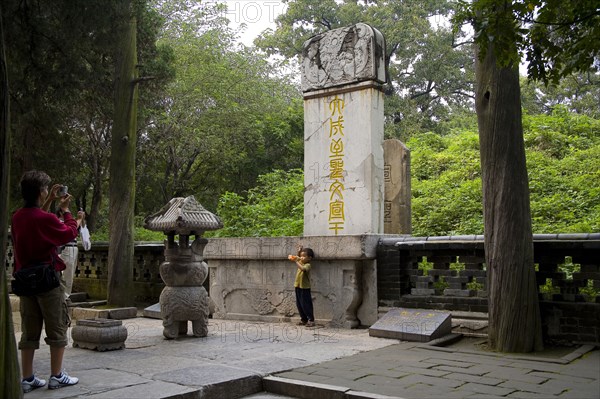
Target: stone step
{"type": "Point", "coordinates": [88, 304]}
{"type": "Point", "coordinates": [79, 297]}
{"type": "Point", "coordinates": [470, 327]}
{"type": "Point", "coordinates": [314, 390]}
{"type": "Point", "coordinates": [267, 395]}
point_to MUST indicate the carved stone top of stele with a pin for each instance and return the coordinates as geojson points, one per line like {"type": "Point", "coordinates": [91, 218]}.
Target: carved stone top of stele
{"type": "Point", "coordinates": [342, 56]}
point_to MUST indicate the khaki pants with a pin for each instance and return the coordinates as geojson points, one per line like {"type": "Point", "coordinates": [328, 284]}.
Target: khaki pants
{"type": "Point", "coordinates": [48, 309]}
{"type": "Point", "coordinates": [69, 256]}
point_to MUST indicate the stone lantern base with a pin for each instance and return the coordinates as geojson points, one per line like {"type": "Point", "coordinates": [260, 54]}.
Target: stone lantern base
{"type": "Point", "coordinates": [180, 304]}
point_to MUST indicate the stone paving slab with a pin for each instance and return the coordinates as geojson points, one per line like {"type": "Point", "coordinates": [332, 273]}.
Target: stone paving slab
{"type": "Point", "coordinates": [479, 378]}
{"type": "Point", "coordinates": [486, 389]}
{"type": "Point", "coordinates": [474, 378]}
{"type": "Point", "coordinates": [231, 361]}
{"type": "Point", "coordinates": [237, 356]}
{"type": "Point", "coordinates": [478, 370]}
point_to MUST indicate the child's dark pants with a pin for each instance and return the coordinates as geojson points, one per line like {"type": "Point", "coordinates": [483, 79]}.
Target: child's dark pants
{"type": "Point", "coordinates": [304, 304]}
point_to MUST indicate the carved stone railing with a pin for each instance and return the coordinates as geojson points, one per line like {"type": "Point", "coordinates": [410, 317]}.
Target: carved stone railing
{"type": "Point", "coordinates": [91, 274]}
{"type": "Point", "coordinates": [455, 278]}
{"type": "Point", "coordinates": [252, 278]}
{"type": "Point", "coordinates": [449, 273]}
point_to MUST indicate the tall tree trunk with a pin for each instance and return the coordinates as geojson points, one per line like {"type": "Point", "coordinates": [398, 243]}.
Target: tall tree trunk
{"type": "Point", "coordinates": [514, 313]}
{"type": "Point", "coordinates": [10, 383]}
{"type": "Point", "coordinates": [122, 167]}
{"type": "Point", "coordinates": [96, 200]}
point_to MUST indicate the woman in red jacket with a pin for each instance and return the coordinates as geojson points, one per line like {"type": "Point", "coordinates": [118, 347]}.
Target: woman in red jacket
{"type": "Point", "coordinates": [36, 234]}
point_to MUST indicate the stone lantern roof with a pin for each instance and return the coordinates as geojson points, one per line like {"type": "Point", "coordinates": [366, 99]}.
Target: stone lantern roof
{"type": "Point", "coordinates": [183, 216]}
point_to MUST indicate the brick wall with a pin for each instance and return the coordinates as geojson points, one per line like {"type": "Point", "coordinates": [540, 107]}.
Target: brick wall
{"type": "Point", "coordinates": [455, 279]}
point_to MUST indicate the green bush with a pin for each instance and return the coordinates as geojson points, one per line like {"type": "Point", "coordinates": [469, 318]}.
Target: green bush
{"type": "Point", "coordinates": [275, 207]}
{"type": "Point", "coordinates": [563, 163]}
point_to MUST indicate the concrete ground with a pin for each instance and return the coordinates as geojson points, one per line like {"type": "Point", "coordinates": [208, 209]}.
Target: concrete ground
{"type": "Point", "coordinates": [230, 362]}
{"type": "Point", "coordinates": [282, 360]}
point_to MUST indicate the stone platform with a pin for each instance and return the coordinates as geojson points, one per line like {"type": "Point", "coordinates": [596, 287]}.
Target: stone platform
{"type": "Point", "coordinates": [239, 359]}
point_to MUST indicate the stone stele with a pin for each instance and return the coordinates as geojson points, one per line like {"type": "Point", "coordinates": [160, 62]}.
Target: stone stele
{"type": "Point", "coordinates": [396, 174]}
{"type": "Point", "coordinates": [421, 325]}
{"type": "Point", "coordinates": [342, 75]}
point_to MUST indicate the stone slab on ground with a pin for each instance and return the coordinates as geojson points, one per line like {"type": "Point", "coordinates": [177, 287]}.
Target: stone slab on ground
{"type": "Point", "coordinates": [421, 325]}
{"type": "Point", "coordinates": [78, 296]}
{"type": "Point", "coordinates": [89, 313]}
{"type": "Point", "coordinates": [153, 311]}
{"type": "Point", "coordinates": [122, 313]}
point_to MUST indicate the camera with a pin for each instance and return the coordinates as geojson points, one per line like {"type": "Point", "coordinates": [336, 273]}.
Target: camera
{"type": "Point", "coordinates": [62, 191]}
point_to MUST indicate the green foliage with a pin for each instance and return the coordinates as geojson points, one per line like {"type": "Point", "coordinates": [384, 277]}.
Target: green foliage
{"type": "Point", "coordinates": [564, 172]}
{"type": "Point", "coordinates": [446, 184]}
{"type": "Point", "coordinates": [227, 117]}
{"type": "Point", "coordinates": [563, 161]}
{"type": "Point", "coordinates": [61, 73]}
{"type": "Point", "coordinates": [139, 232]}
{"type": "Point", "coordinates": [275, 207]}
{"type": "Point", "coordinates": [557, 37]}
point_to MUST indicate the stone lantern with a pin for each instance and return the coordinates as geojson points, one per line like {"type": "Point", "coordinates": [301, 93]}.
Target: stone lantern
{"type": "Point", "coordinates": [184, 270]}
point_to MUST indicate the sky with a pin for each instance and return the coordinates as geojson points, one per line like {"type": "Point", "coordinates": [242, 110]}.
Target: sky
{"type": "Point", "coordinates": [258, 15]}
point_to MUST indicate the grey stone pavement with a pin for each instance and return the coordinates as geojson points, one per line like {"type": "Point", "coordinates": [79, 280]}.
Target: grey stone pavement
{"type": "Point", "coordinates": [281, 360]}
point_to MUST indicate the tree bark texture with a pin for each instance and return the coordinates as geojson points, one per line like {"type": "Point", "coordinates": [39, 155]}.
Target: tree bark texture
{"type": "Point", "coordinates": [10, 382]}
{"type": "Point", "coordinates": [122, 168]}
{"type": "Point", "coordinates": [514, 313]}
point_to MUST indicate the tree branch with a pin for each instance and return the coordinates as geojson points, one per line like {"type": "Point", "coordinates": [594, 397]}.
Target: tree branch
{"type": "Point", "coordinates": [561, 24]}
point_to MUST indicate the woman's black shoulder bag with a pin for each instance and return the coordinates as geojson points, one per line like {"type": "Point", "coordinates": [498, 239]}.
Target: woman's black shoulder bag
{"type": "Point", "coordinates": [35, 279]}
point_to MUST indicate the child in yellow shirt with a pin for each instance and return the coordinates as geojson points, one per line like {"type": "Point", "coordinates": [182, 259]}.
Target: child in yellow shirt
{"type": "Point", "coordinates": [302, 286]}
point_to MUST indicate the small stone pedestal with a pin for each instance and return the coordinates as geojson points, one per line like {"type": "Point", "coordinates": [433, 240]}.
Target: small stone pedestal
{"type": "Point", "coordinates": [99, 334]}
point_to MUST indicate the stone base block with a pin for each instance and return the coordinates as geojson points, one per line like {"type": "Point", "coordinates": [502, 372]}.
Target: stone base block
{"type": "Point", "coordinates": [99, 334]}
{"type": "Point", "coordinates": [122, 313]}
{"type": "Point", "coordinates": [421, 325]}
{"type": "Point", "coordinates": [80, 313]}
{"type": "Point", "coordinates": [153, 311]}
{"type": "Point", "coordinates": [78, 297]}
{"type": "Point", "coordinates": [459, 292]}
{"type": "Point", "coordinates": [422, 291]}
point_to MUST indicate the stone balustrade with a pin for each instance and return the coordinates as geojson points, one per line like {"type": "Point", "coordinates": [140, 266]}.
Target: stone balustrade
{"type": "Point", "coordinates": [91, 274]}
{"type": "Point", "coordinates": [449, 273]}
{"type": "Point", "coordinates": [454, 277]}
